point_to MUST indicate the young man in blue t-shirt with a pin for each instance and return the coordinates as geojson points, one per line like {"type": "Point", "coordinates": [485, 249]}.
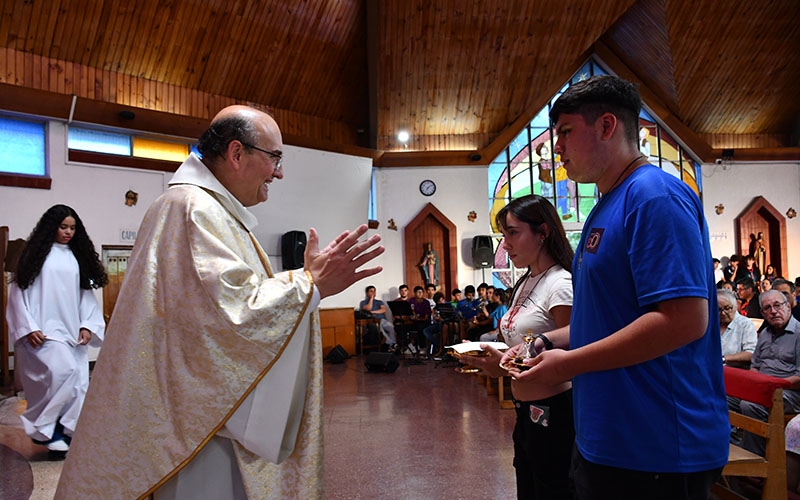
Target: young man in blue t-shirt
{"type": "Point", "coordinates": [644, 356]}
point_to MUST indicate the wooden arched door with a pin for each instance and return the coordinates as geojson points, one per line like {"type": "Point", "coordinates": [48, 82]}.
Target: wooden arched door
{"type": "Point", "coordinates": [761, 224]}
{"type": "Point", "coordinates": [431, 226]}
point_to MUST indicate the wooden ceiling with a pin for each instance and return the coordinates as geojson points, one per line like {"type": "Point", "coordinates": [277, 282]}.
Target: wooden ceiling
{"type": "Point", "coordinates": [462, 76]}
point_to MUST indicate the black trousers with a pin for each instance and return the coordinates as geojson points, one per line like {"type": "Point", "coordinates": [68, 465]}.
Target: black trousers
{"type": "Point", "coordinates": [543, 440]}
{"type": "Point", "coordinates": [601, 482]}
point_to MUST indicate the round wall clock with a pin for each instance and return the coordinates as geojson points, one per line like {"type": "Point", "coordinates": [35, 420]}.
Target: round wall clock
{"type": "Point", "coordinates": [427, 187]}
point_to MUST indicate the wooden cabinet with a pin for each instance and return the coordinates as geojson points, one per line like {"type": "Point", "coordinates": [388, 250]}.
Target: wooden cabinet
{"type": "Point", "coordinates": [338, 327]}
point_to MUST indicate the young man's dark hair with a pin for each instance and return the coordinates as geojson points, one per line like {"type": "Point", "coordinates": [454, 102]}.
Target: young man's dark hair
{"type": "Point", "coordinates": [747, 282]}
{"type": "Point", "coordinates": [600, 94]}
{"type": "Point", "coordinates": [403, 286]}
{"type": "Point", "coordinates": [368, 288]}
{"type": "Point", "coordinates": [781, 281]}
{"type": "Point", "coordinates": [418, 288]}
{"type": "Point", "coordinates": [469, 290]}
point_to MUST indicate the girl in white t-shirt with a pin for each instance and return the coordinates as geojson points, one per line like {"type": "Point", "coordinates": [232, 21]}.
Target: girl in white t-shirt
{"type": "Point", "coordinates": [541, 301]}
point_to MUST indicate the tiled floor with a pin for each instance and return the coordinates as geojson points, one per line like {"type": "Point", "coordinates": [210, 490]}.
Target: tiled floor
{"type": "Point", "coordinates": [423, 432]}
{"type": "Point", "coordinates": [419, 433]}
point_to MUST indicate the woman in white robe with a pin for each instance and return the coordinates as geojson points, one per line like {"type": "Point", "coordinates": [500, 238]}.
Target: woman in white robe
{"type": "Point", "coordinates": [53, 316]}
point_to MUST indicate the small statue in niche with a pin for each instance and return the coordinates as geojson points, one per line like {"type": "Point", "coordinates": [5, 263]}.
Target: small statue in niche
{"type": "Point", "coordinates": [131, 198]}
{"type": "Point", "coordinates": [760, 252]}
{"type": "Point", "coordinates": [430, 265]}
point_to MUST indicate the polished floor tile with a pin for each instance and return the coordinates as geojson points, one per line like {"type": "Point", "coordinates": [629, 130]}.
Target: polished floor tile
{"type": "Point", "coordinates": [422, 432]}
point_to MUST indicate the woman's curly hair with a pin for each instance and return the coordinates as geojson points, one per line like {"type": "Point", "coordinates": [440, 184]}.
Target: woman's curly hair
{"type": "Point", "coordinates": [31, 260]}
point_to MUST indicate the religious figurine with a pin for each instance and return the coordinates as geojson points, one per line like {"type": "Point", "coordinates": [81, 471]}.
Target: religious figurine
{"type": "Point", "coordinates": [430, 265]}
{"type": "Point", "coordinates": [760, 253]}
{"type": "Point", "coordinates": [131, 197]}
{"type": "Point", "coordinates": [526, 352]}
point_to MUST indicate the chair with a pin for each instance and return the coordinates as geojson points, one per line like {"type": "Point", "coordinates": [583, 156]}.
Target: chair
{"type": "Point", "coordinates": [9, 254]}
{"type": "Point", "coordinates": [363, 326]}
{"type": "Point", "coordinates": [768, 392]}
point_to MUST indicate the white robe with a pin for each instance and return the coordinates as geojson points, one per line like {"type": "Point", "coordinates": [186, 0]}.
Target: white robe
{"type": "Point", "coordinates": [55, 376]}
{"type": "Point", "coordinates": [210, 379]}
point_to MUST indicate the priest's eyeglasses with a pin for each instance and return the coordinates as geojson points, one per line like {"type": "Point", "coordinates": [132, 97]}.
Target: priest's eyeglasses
{"type": "Point", "coordinates": [277, 158]}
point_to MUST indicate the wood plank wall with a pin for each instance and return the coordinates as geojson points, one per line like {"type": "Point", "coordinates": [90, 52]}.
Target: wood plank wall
{"type": "Point", "coordinates": [462, 142]}
{"type": "Point", "coordinates": [63, 77]}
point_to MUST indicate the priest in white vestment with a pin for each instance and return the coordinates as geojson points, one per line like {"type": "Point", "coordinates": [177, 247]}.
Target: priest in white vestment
{"type": "Point", "coordinates": [209, 384]}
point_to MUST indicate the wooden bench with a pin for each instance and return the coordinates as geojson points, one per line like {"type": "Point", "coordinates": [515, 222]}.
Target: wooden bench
{"type": "Point", "coordinates": [768, 392]}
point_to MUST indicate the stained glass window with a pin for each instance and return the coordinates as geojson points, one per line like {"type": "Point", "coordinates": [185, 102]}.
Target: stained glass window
{"type": "Point", "coordinates": [528, 166]}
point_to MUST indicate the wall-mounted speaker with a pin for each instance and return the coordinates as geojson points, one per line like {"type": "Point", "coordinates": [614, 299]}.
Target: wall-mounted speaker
{"type": "Point", "coordinates": [293, 245]}
{"type": "Point", "coordinates": [482, 252]}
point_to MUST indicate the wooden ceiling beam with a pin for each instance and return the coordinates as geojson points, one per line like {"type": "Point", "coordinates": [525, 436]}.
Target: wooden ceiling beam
{"type": "Point", "coordinates": [430, 159]}
{"type": "Point", "coordinates": [758, 154]}
{"type": "Point", "coordinates": [57, 106]}
{"type": "Point", "coordinates": [373, 38]}
{"type": "Point", "coordinates": [34, 102]}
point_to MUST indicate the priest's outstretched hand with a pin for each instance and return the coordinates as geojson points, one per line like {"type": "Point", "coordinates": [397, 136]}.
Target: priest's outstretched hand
{"type": "Point", "coordinates": [336, 267]}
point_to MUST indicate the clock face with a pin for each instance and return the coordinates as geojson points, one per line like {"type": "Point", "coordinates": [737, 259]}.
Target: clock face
{"type": "Point", "coordinates": [427, 187]}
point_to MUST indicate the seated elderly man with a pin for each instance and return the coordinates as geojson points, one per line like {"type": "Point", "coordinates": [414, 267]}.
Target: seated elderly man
{"type": "Point", "coordinates": [777, 354]}
{"type": "Point", "coordinates": [738, 332]}
{"type": "Point", "coordinates": [788, 289]}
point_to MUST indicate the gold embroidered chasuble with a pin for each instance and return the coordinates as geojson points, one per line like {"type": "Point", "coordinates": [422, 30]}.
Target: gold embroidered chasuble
{"type": "Point", "coordinates": [200, 321]}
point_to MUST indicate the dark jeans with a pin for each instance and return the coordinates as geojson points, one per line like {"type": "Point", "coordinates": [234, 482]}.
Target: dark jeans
{"type": "Point", "coordinates": [601, 482]}
{"type": "Point", "coordinates": [542, 449]}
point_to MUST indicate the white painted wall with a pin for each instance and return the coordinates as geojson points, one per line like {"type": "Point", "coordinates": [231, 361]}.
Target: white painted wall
{"type": "Point", "coordinates": [330, 191]}
{"type": "Point", "coordinates": [459, 190]}
{"type": "Point", "coordinates": [734, 185]}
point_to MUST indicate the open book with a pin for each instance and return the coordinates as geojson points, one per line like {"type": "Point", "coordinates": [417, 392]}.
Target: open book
{"type": "Point", "coordinates": [474, 348]}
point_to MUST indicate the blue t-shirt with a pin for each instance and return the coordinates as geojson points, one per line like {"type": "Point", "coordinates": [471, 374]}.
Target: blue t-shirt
{"type": "Point", "coordinates": [645, 242]}
{"type": "Point", "coordinates": [468, 309]}
{"type": "Point", "coordinates": [376, 304]}
{"type": "Point", "coordinates": [497, 314]}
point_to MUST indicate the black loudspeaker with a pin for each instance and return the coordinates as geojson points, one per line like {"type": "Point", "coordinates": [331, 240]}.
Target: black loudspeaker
{"type": "Point", "coordinates": [337, 355]}
{"type": "Point", "coordinates": [381, 362]}
{"type": "Point", "coordinates": [482, 253]}
{"type": "Point", "coordinates": [293, 245]}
